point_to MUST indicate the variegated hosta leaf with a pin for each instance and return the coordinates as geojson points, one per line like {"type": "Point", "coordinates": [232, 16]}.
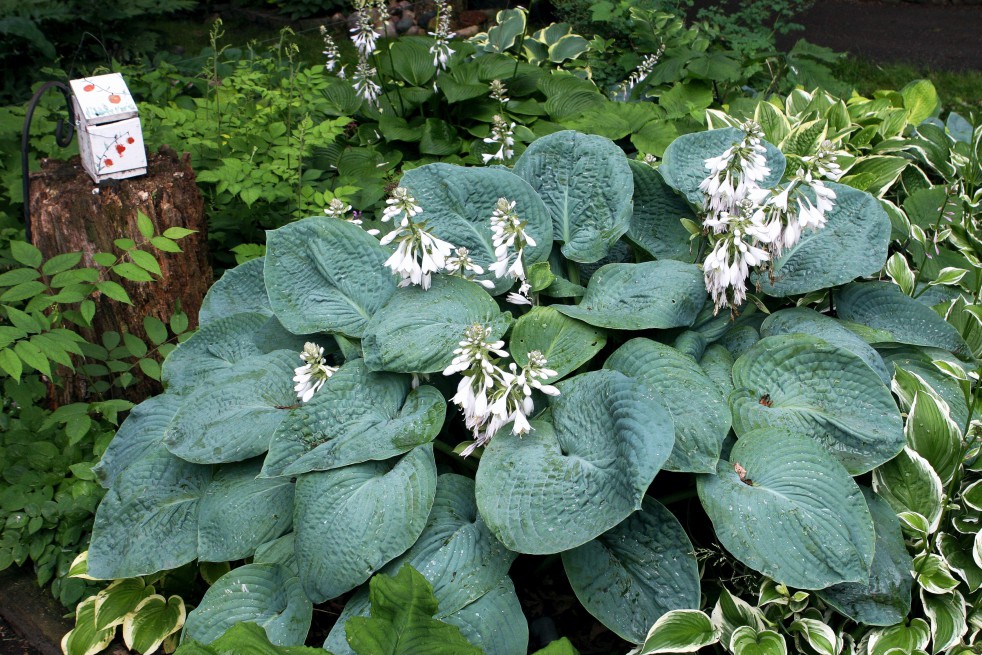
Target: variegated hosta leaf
{"type": "Point", "coordinates": [586, 184]}
{"type": "Point", "coordinates": [783, 506]}
{"type": "Point", "coordinates": [914, 636]}
{"type": "Point", "coordinates": [269, 595]}
{"type": "Point", "coordinates": [680, 631]}
{"type": "Point", "coordinates": [841, 403]}
{"type": "Point", "coordinates": [326, 275]}
{"type": "Point", "coordinates": [662, 294]}
{"type": "Point", "coordinates": [235, 415]}
{"type": "Point", "coordinates": [684, 166]}
{"type": "Point", "coordinates": [152, 621]}
{"type": "Point", "coordinates": [933, 435]}
{"type": "Point", "coordinates": [355, 417]}
{"type": "Point", "coordinates": [698, 408]}
{"type": "Point", "coordinates": [84, 638]}
{"type": "Point", "coordinates": [567, 482]}
{"type": "Point", "coordinates": [883, 599]}
{"type": "Point", "coordinates": [416, 331]}
{"type": "Point", "coordinates": [634, 573]}
{"type": "Point", "coordinates": [351, 521]}
{"type": "Point", "coordinates": [732, 612]}
{"type": "Point", "coordinates": [240, 289]}
{"type": "Point", "coordinates": [884, 306]}
{"type": "Point", "coordinates": [909, 483]}
{"type": "Point", "coordinates": [745, 640]}
{"type": "Point", "coordinates": [947, 614]}
{"type": "Point", "coordinates": [457, 205]}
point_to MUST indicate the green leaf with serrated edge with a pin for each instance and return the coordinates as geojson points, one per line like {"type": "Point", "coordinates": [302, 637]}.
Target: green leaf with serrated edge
{"type": "Point", "coordinates": [586, 184]}
{"type": "Point", "coordinates": [883, 306]}
{"type": "Point", "coordinates": [852, 244]}
{"type": "Point", "coordinates": [680, 631]}
{"type": "Point", "coordinates": [61, 263]}
{"type": "Point", "coordinates": [947, 614]}
{"type": "Point", "coordinates": [909, 483]}
{"type": "Point", "coordinates": [26, 254]}
{"type": "Point", "coordinates": [114, 290]}
{"type": "Point", "coordinates": [142, 431]}
{"type": "Point", "coordinates": [457, 204]}
{"type": "Point", "coordinates": [148, 520]}
{"type": "Point", "coordinates": [566, 343]}
{"type": "Point", "coordinates": [402, 622]}
{"type": "Point", "coordinates": [235, 416]}
{"type": "Point", "coordinates": [146, 261]}
{"type": "Point", "coordinates": [416, 331]}
{"type": "Point", "coordinates": [842, 404]}
{"type": "Point", "coordinates": [656, 225]}
{"type": "Point", "coordinates": [117, 600]}
{"type": "Point", "coordinates": [241, 289]}
{"type": "Point", "coordinates": [883, 599]}
{"type": "Point", "coordinates": [908, 638]}
{"type": "Point", "coordinates": [567, 482]}
{"type": "Point", "coordinates": [239, 512]}
{"type": "Point", "coordinates": [245, 639]}
{"type": "Point", "coordinates": [144, 224]}
{"type": "Point", "coordinates": [804, 320]}
{"type": "Point", "coordinates": [84, 639]}
{"type": "Point", "coordinates": [631, 575]}
{"type": "Point", "coordinates": [697, 407]}
{"type": "Point", "coordinates": [933, 435]}
{"type": "Point", "coordinates": [732, 612]}
{"type": "Point", "coordinates": [326, 275]}
{"type": "Point", "coordinates": [796, 516]}
{"type": "Point", "coordinates": [10, 363]}
{"type": "Point", "coordinates": [350, 521]}
{"type": "Point", "coordinates": [269, 595]}
{"type": "Point", "coordinates": [748, 641]}
{"type": "Point", "coordinates": [662, 294]}
{"type": "Point", "coordinates": [684, 165]}
{"type": "Point", "coordinates": [355, 417]}
{"type": "Point", "coordinates": [153, 620]}
{"type": "Point", "coordinates": [155, 328]}
{"type": "Point", "coordinates": [222, 345]}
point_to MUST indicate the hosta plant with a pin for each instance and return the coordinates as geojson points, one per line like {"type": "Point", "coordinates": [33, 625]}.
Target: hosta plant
{"type": "Point", "coordinates": [552, 322]}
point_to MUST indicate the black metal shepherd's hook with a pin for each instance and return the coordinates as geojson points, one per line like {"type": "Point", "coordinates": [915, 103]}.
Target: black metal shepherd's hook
{"type": "Point", "coordinates": [63, 140]}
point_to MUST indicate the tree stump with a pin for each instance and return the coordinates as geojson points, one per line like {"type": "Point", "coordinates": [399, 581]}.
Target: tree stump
{"type": "Point", "coordinates": [69, 213]}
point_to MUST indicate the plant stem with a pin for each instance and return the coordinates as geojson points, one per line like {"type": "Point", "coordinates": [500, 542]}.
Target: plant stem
{"type": "Point", "coordinates": [937, 227]}
{"type": "Point", "coordinates": [446, 449]}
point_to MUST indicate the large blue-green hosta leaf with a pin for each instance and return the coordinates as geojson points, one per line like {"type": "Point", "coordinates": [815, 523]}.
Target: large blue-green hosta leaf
{"type": "Point", "coordinates": [587, 185]}
{"type": "Point", "coordinates": [656, 223]}
{"type": "Point", "coordinates": [796, 516]}
{"type": "Point", "coordinates": [355, 417]}
{"type": "Point", "coordinates": [570, 481]}
{"type": "Point", "coordinates": [416, 331]}
{"type": "Point", "coordinates": [883, 306]}
{"type": "Point", "coordinates": [852, 244]}
{"type": "Point", "coordinates": [566, 343]}
{"type": "Point", "coordinates": [268, 595]}
{"type": "Point", "coordinates": [326, 275]}
{"type": "Point", "coordinates": [351, 521]}
{"type": "Point", "coordinates": [661, 294]}
{"type": "Point", "coordinates": [631, 575]}
{"type": "Point", "coordinates": [684, 165]}
{"type": "Point", "coordinates": [815, 389]}
{"type": "Point", "coordinates": [239, 290]}
{"type": "Point", "coordinates": [698, 408]}
{"type": "Point", "coordinates": [142, 431]}
{"type": "Point", "coordinates": [883, 599]}
{"type": "Point", "coordinates": [804, 320]}
{"type": "Point", "coordinates": [234, 417]}
{"type": "Point", "coordinates": [457, 205]}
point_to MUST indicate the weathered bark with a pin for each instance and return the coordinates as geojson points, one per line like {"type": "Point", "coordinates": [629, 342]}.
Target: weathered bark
{"type": "Point", "coordinates": [70, 214]}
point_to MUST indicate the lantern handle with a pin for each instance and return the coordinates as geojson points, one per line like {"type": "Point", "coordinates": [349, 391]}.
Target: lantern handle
{"type": "Point", "coordinates": [62, 138]}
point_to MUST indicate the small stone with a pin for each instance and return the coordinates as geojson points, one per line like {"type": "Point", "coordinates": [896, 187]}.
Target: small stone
{"type": "Point", "coordinates": [403, 25]}
{"type": "Point", "coordinates": [415, 31]}
{"type": "Point", "coordinates": [390, 30]}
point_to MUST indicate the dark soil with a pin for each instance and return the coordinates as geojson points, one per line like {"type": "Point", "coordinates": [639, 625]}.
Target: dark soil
{"type": "Point", "coordinates": [12, 644]}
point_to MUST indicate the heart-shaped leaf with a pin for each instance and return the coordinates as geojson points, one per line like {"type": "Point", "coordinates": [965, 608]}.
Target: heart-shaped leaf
{"type": "Point", "coordinates": [656, 222]}
{"type": "Point", "coordinates": [355, 417]}
{"type": "Point", "coordinates": [791, 511]}
{"type": "Point", "coordinates": [909, 484]}
{"type": "Point", "coordinates": [268, 595]}
{"type": "Point", "coordinates": [142, 431]}
{"type": "Point", "coordinates": [416, 331]}
{"type": "Point", "coordinates": [698, 409]}
{"type": "Point", "coordinates": [566, 343]}
{"type": "Point", "coordinates": [747, 641]}
{"type": "Point", "coordinates": [152, 621]}
{"type": "Point", "coordinates": [240, 290]}
{"type": "Point", "coordinates": [661, 294]}
{"type": "Point", "coordinates": [841, 404]}
{"type": "Point", "coordinates": [350, 521]}
{"type": "Point", "coordinates": [680, 631]}
{"type": "Point", "coordinates": [326, 275]}
{"type": "Point", "coordinates": [631, 575]}
{"type": "Point", "coordinates": [586, 184]}
{"type": "Point", "coordinates": [564, 484]}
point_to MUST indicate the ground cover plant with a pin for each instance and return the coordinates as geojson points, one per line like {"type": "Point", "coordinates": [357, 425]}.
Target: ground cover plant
{"type": "Point", "coordinates": [558, 322]}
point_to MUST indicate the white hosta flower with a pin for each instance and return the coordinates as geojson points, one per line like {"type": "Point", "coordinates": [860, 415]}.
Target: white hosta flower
{"type": "Point", "coordinates": [332, 57]}
{"type": "Point", "coordinates": [461, 265]}
{"type": "Point", "coordinates": [503, 136]}
{"type": "Point", "coordinates": [735, 175]}
{"type": "Point", "coordinates": [313, 374]}
{"type": "Point", "coordinates": [509, 238]}
{"type": "Point", "coordinates": [823, 162]}
{"type": "Point", "coordinates": [400, 203]}
{"type": "Point", "coordinates": [364, 82]}
{"type": "Point", "coordinates": [363, 33]}
{"type": "Point", "coordinates": [521, 297]}
{"type": "Point", "coordinates": [418, 254]}
{"type": "Point", "coordinates": [727, 267]}
{"type": "Point", "coordinates": [499, 91]}
{"type": "Point", "coordinates": [441, 50]}
{"type": "Point", "coordinates": [645, 68]}
{"type": "Point", "coordinates": [338, 208]}
{"type": "Point", "coordinates": [475, 350]}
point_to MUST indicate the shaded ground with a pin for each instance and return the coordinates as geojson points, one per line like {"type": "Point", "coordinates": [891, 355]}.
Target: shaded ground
{"type": "Point", "coordinates": [12, 644]}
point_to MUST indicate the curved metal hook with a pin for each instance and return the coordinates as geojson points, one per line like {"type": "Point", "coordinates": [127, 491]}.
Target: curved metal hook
{"type": "Point", "coordinates": [62, 138]}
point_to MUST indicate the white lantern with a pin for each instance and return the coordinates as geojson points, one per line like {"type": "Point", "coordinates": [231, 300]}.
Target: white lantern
{"type": "Point", "coordinates": [110, 140]}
